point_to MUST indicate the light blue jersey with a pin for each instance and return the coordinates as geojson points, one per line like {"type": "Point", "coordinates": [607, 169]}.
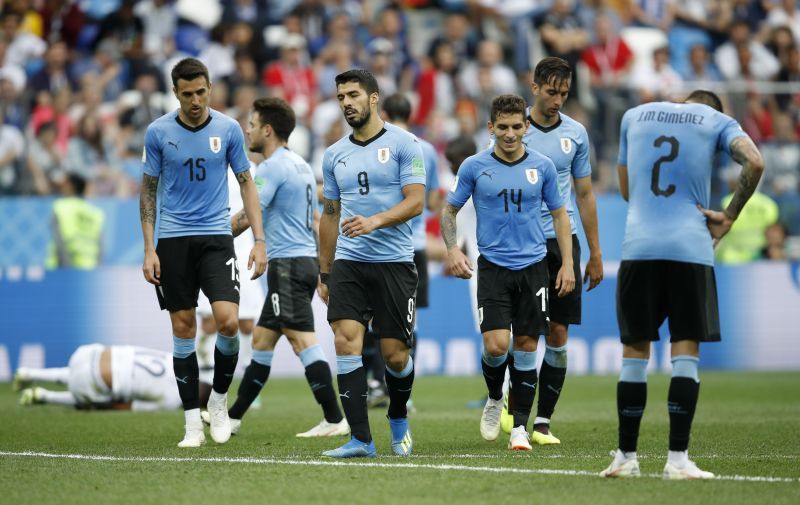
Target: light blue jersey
{"type": "Point", "coordinates": [669, 149]}
{"type": "Point", "coordinates": [368, 178]}
{"type": "Point", "coordinates": [192, 164]}
{"type": "Point", "coordinates": [508, 198]}
{"type": "Point", "coordinates": [431, 184]}
{"type": "Point", "coordinates": [567, 145]}
{"type": "Point", "coordinates": [287, 191]}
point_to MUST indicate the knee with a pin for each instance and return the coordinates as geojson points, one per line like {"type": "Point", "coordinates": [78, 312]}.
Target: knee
{"type": "Point", "coordinates": [396, 361]}
{"type": "Point", "coordinates": [558, 335]}
{"type": "Point", "coordinates": [495, 348]}
{"type": "Point", "coordinates": [184, 327]}
{"type": "Point", "coordinates": [228, 326]}
{"type": "Point", "coordinates": [246, 326]}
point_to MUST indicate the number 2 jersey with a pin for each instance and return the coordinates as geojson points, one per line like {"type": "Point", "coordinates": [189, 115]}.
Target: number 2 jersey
{"type": "Point", "coordinates": [669, 150]}
{"type": "Point", "coordinates": [508, 198]}
{"type": "Point", "coordinates": [191, 164]}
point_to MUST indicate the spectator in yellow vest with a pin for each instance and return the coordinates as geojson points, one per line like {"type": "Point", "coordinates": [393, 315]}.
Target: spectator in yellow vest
{"type": "Point", "coordinates": [747, 238]}
{"type": "Point", "coordinates": [77, 228]}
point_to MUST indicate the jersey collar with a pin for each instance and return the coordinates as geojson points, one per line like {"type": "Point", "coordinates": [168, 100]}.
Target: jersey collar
{"type": "Point", "coordinates": [193, 128]}
{"type": "Point", "coordinates": [363, 143]}
{"type": "Point", "coordinates": [545, 129]}
{"type": "Point", "coordinates": [510, 163]}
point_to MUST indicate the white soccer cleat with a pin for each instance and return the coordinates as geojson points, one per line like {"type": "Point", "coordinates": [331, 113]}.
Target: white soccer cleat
{"type": "Point", "coordinates": [31, 396]}
{"type": "Point", "coordinates": [236, 424]}
{"type": "Point", "coordinates": [686, 471]}
{"type": "Point", "coordinates": [490, 419]}
{"type": "Point", "coordinates": [194, 437]}
{"type": "Point", "coordinates": [622, 466]}
{"type": "Point", "coordinates": [21, 380]}
{"type": "Point", "coordinates": [219, 420]}
{"type": "Point", "coordinates": [326, 429]}
{"type": "Point", "coordinates": [519, 440]}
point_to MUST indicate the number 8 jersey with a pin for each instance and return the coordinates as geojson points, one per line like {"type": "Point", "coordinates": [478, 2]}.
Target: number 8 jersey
{"type": "Point", "coordinates": [669, 150]}
{"type": "Point", "coordinates": [191, 164]}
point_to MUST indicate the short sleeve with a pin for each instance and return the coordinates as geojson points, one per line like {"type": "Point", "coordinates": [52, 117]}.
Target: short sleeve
{"type": "Point", "coordinates": [268, 180]}
{"type": "Point", "coordinates": [330, 188]}
{"type": "Point", "coordinates": [730, 131]}
{"type": "Point", "coordinates": [463, 185]}
{"type": "Point", "coordinates": [237, 152]}
{"type": "Point", "coordinates": [551, 194]}
{"type": "Point", "coordinates": [622, 157]}
{"type": "Point", "coordinates": [580, 163]}
{"type": "Point", "coordinates": [411, 161]}
{"type": "Point", "coordinates": [431, 171]}
{"type": "Point", "coordinates": [151, 156]}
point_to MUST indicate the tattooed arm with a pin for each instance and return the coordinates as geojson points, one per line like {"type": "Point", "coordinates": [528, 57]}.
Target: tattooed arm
{"type": "Point", "coordinates": [239, 223]}
{"type": "Point", "coordinates": [252, 209]}
{"type": "Point", "coordinates": [147, 216]}
{"type": "Point", "coordinates": [457, 262]}
{"type": "Point", "coordinates": [328, 233]}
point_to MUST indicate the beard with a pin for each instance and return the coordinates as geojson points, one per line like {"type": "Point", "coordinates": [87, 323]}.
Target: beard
{"type": "Point", "coordinates": [359, 120]}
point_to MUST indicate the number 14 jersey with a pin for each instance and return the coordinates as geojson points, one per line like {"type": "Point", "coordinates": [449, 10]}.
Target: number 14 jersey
{"type": "Point", "coordinates": [669, 150]}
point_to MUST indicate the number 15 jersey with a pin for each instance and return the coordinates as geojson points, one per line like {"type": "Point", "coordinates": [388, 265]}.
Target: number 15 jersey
{"type": "Point", "coordinates": [669, 149]}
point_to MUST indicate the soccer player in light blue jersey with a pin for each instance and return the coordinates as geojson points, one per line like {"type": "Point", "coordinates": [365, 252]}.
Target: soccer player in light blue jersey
{"type": "Point", "coordinates": [666, 155]}
{"type": "Point", "coordinates": [373, 185]}
{"type": "Point", "coordinates": [185, 161]}
{"type": "Point", "coordinates": [508, 184]}
{"type": "Point", "coordinates": [287, 191]}
{"type": "Point", "coordinates": [565, 142]}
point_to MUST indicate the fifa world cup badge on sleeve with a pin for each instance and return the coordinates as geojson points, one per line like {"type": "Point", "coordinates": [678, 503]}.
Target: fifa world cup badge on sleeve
{"type": "Point", "coordinates": [417, 167]}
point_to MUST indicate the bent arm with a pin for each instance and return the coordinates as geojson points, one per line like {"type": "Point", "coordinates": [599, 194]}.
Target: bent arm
{"type": "Point", "coordinates": [410, 206]}
{"type": "Point", "coordinates": [744, 152]}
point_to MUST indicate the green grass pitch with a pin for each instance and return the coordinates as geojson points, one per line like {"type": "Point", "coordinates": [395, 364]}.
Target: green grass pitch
{"type": "Point", "coordinates": [746, 431]}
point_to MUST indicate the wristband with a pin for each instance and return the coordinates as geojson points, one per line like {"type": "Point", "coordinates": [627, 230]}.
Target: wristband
{"type": "Point", "coordinates": [260, 240]}
{"type": "Point", "coordinates": [323, 277]}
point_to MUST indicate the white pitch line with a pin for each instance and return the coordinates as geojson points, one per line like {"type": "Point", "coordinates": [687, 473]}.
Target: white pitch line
{"type": "Point", "coordinates": [605, 456]}
{"type": "Point", "coordinates": [312, 462]}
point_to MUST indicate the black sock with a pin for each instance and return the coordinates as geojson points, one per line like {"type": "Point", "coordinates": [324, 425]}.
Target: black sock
{"type": "Point", "coordinates": [353, 395]}
{"type": "Point", "coordinates": [399, 393]}
{"type": "Point", "coordinates": [523, 390]}
{"type": "Point", "coordinates": [681, 402]}
{"type": "Point", "coordinates": [224, 366]}
{"type": "Point", "coordinates": [255, 377]}
{"type": "Point", "coordinates": [631, 400]}
{"type": "Point", "coordinates": [318, 375]}
{"type": "Point", "coordinates": [187, 375]}
{"type": "Point", "coordinates": [551, 380]}
{"type": "Point", "coordinates": [494, 377]}
{"type": "Point", "coordinates": [369, 351]}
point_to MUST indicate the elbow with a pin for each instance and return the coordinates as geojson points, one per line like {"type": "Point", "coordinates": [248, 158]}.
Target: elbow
{"type": "Point", "coordinates": [418, 204]}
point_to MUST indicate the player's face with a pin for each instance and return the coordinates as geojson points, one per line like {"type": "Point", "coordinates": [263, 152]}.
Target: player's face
{"type": "Point", "coordinates": [550, 97]}
{"type": "Point", "coordinates": [255, 133]}
{"type": "Point", "coordinates": [355, 103]}
{"type": "Point", "coordinates": [508, 130]}
{"type": "Point", "coordinates": [193, 97]}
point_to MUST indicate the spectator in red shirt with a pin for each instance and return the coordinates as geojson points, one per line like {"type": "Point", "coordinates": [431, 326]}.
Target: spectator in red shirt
{"type": "Point", "coordinates": [292, 77]}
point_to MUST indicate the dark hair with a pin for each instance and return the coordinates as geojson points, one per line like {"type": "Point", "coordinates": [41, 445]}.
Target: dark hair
{"type": "Point", "coordinates": [705, 97]}
{"type": "Point", "coordinates": [507, 104]}
{"type": "Point", "coordinates": [397, 108]}
{"type": "Point", "coordinates": [78, 183]}
{"type": "Point", "coordinates": [277, 113]}
{"type": "Point", "coordinates": [363, 77]}
{"type": "Point", "coordinates": [46, 126]}
{"type": "Point", "coordinates": [459, 149]}
{"type": "Point", "coordinates": [552, 70]}
{"type": "Point", "coordinates": [189, 69]}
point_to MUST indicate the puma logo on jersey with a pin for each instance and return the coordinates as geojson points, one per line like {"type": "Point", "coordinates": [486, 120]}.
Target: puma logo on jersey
{"type": "Point", "coordinates": [173, 144]}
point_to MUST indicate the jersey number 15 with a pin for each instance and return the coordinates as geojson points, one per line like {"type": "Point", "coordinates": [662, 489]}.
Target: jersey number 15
{"type": "Point", "coordinates": [197, 169]}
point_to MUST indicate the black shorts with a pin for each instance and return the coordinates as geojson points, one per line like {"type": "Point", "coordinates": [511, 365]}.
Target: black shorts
{"type": "Point", "coordinates": [383, 292]}
{"type": "Point", "coordinates": [291, 283]}
{"type": "Point", "coordinates": [649, 291]}
{"type": "Point", "coordinates": [421, 262]}
{"type": "Point", "coordinates": [195, 262]}
{"type": "Point", "coordinates": [513, 299]}
{"type": "Point", "coordinates": [566, 310]}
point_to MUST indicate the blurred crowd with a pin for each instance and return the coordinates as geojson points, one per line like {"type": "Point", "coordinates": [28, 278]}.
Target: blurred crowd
{"type": "Point", "coordinates": [80, 80]}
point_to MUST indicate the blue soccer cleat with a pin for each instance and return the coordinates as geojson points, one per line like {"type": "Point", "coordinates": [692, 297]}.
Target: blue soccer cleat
{"type": "Point", "coordinates": [355, 448]}
{"type": "Point", "coordinates": [401, 436]}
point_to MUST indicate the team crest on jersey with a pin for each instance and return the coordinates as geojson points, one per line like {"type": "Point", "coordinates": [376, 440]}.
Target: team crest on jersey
{"type": "Point", "coordinates": [383, 154]}
{"type": "Point", "coordinates": [215, 143]}
{"type": "Point", "coordinates": [566, 145]}
{"type": "Point", "coordinates": [533, 175]}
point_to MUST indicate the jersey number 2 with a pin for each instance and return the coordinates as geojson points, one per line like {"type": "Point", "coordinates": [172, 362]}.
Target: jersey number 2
{"type": "Point", "coordinates": [674, 145]}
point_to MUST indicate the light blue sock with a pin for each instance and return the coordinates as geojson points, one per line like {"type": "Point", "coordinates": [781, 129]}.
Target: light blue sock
{"type": "Point", "coordinates": [228, 345]}
{"type": "Point", "coordinates": [404, 372]}
{"type": "Point", "coordinates": [347, 364]}
{"type": "Point", "coordinates": [494, 361]}
{"type": "Point", "coordinates": [311, 354]}
{"type": "Point", "coordinates": [633, 370]}
{"type": "Point", "coordinates": [556, 357]}
{"type": "Point", "coordinates": [524, 361]}
{"type": "Point", "coordinates": [263, 357]}
{"type": "Point", "coordinates": [182, 347]}
{"type": "Point", "coordinates": [686, 366]}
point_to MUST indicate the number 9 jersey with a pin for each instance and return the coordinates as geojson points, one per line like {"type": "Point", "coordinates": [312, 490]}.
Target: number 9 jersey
{"type": "Point", "coordinates": [669, 150]}
{"type": "Point", "coordinates": [191, 164]}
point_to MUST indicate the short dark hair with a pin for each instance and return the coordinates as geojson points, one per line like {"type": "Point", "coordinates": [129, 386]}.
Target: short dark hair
{"type": "Point", "coordinates": [705, 97]}
{"type": "Point", "coordinates": [363, 77]}
{"type": "Point", "coordinates": [78, 183]}
{"type": "Point", "coordinates": [277, 113]}
{"type": "Point", "coordinates": [189, 69]}
{"type": "Point", "coordinates": [459, 149]}
{"type": "Point", "coordinates": [507, 104]}
{"type": "Point", "coordinates": [397, 108]}
{"type": "Point", "coordinates": [552, 70]}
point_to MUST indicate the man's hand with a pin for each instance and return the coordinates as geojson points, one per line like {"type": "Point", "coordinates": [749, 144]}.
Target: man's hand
{"type": "Point", "coordinates": [358, 225]}
{"type": "Point", "coordinates": [322, 291]}
{"type": "Point", "coordinates": [718, 223]}
{"type": "Point", "coordinates": [152, 267]}
{"type": "Point", "coordinates": [594, 271]}
{"type": "Point", "coordinates": [565, 280]}
{"type": "Point", "coordinates": [258, 258]}
{"type": "Point", "coordinates": [458, 264]}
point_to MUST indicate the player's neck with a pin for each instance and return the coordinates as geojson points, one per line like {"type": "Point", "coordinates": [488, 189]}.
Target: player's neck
{"type": "Point", "coordinates": [369, 130]}
{"type": "Point", "coordinates": [189, 122]}
{"type": "Point", "coordinates": [541, 120]}
{"type": "Point", "coordinates": [270, 146]}
{"type": "Point", "coordinates": [510, 157]}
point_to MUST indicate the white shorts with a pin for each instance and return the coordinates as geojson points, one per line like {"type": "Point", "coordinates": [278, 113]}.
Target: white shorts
{"type": "Point", "coordinates": [85, 382]}
{"type": "Point", "coordinates": [141, 374]}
